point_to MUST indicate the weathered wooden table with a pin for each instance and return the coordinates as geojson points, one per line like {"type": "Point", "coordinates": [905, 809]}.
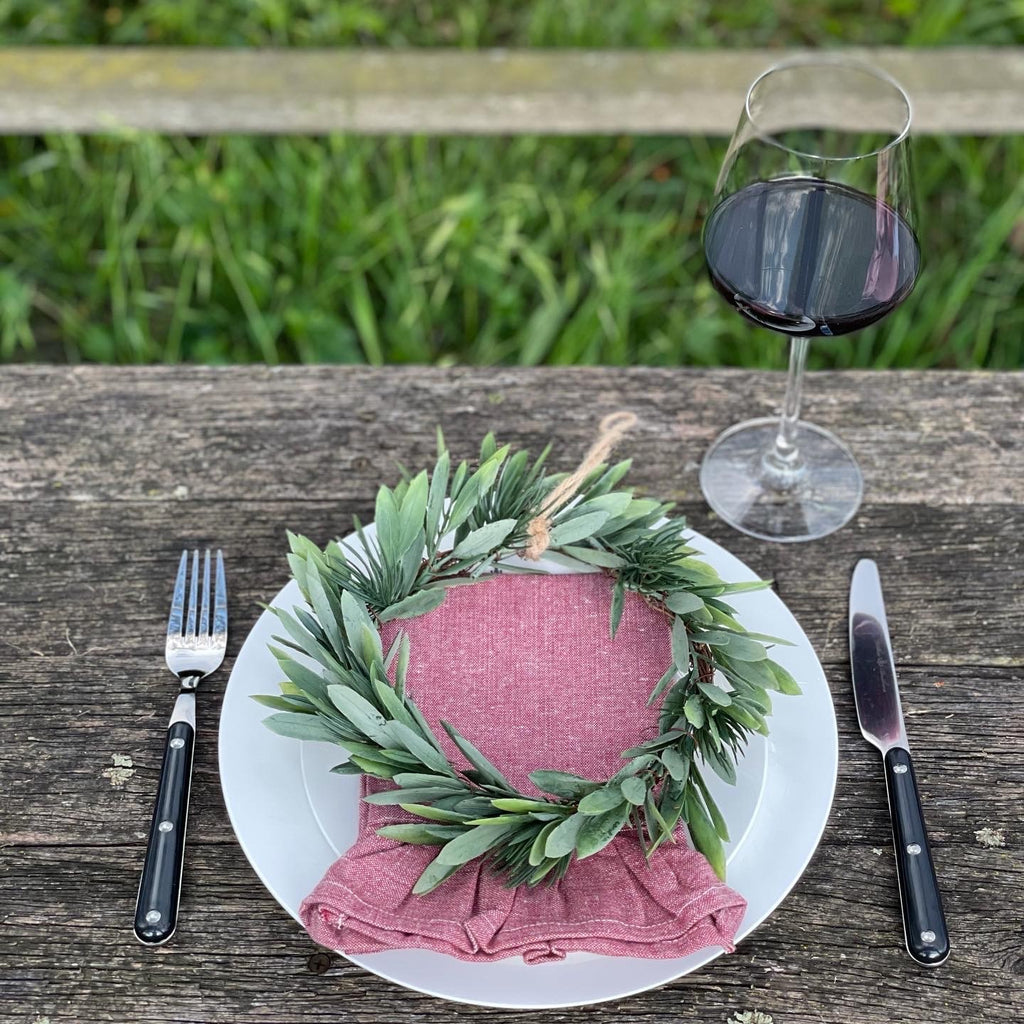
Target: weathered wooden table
{"type": "Point", "coordinates": [106, 474]}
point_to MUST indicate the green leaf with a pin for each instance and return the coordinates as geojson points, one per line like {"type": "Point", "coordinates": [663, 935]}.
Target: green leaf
{"type": "Point", "coordinates": [694, 712]}
{"type": "Point", "coordinates": [502, 819]}
{"type": "Point", "coordinates": [665, 739]}
{"type": "Point", "coordinates": [569, 531]}
{"type": "Point", "coordinates": [361, 713]}
{"type": "Point", "coordinates": [634, 790]}
{"type": "Point", "coordinates": [410, 740]}
{"type": "Point", "coordinates": [744, 716]}
{"type": "Point", "coordinates": [300, 635]}
{"type": "Point", "coordinates": [663, 683]}
{"type": "Point", "coordinates": [411, 564]}
{"type": "Point", "coordinates": [614, 504]}
{"type": "Point", "coordinates": [474, 488]}
{"type": "Point", "coordinates": [562, 839]}
{"type": "Point", "coordinates": [388, 523]}
{"type": "Point", "coordinates": [485, 539]}
{"type": "Point", "coordinates": [476, 759]}
{"type": "Point", "coordinates": [677, 765]}
{"type": "Point", "coordinates": [488, 446]}
{"type": "Point", "coordinates": [413, 780]}
{"type": "Point", "coordinates": [297, 704]}
{"type": "Point", "coordinates": [744, 588]}
{"type": "Point", "coordinates": [434, 813]}
{"type": "Point", "coordinates": [298, 726]}
{"type": "Point", "coordinates": [752, 673]}
{"type": "Point", "coordinates": [402, 664]}
{"type": "Point", "coordinates": [713, 637]}
{"type": "Point", "coordinates": [412, 512]}
{"type": "Point", "coordinates": [544, 869]}
{"type": "Point", "coordinates": [715, 694]}
{"type": "Point", "coordinates": [435, 498]}
{"type": "Point", "coordinates": [369, 646]}
{"type": "Point", "coordinates": [309, 682]}
{"type": "Point", "coordinates": [433, 875]}
{"type": "Point", "coordinates": [521, 806]}
{"type": "Point", "coordinates": [716, 815]}
{"type": "Point", "coordinates": [562, 784]}
{"type": "Point", "coordinates": [537, 854]}
{"type": "Point", "coordinates": [391, 703]}
{"type": "Point", "coordinates": [767, 638]}
{"type": "Point", "coordinates": [420, 835]}
{"type": "Point", "coordinates": [743, 649]}
{"type": "Point", "coordinates": [601, 800]}
{"type": "Point", "coordinates": [598, 832]}
{"type": "Point", "coordinates": [618, 600]}
{"type": "Point", "coordinates": [410, 607]}
{"type": "Point", "coordinates": [682, 602]}
{"type": "Point", "coordinates": [698, 571]}
{"type": "Point", "coordinates": [720, 763]}
{"type": "Point", "coordinates": [680, 645]}
{"type": "Point", "coordinates": [474, 843]}
{"type": "Point", "coordinates": [379, 769]}
{"type": "Point", "coordinates": [354, 616]}
{"type": "Point", "coordinates": [325, 606]}
{"type": "Point", "coordinates": [703, 833]}
{"type": "Point", "coordinates": [369, 750]}
{"type": "Point", "coordinates": [786, 683]}
{"type": "Point", "coordinates": [347, 768]}
{"type": "Point", "coordinates": [594, 556]}
{"type": "Point", "coordinates": [631, 767]}
{"type": "Point", "coordinates": [670, 805]}
{"type": "Point", "coordinates": [654, 811]}
{"type": "Point", "coordinates": [415, 795]}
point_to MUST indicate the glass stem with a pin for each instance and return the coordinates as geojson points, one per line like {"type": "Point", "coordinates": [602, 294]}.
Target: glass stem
{"type": "Point", "coordinates": [783, 465]}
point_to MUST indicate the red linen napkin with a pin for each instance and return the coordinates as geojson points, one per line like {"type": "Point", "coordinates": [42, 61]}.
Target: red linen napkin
{"type": "Point", "coordinates": [523, 667]}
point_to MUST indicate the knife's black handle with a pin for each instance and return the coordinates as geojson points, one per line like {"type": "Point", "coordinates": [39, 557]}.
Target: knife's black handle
{"type": "Point", "coordinates": [156, 913]}
{"type": "Point", "coordinates": [923, 919]}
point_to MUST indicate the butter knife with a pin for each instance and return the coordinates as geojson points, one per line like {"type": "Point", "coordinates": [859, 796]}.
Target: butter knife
{"type": "Point", "coordinates": [877, 697]}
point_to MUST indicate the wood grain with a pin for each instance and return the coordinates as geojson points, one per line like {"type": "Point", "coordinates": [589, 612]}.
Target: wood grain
{"type": "Point", "coordinates": [967, 90]}
{"type": "Point", "coordinates": [91, 462]}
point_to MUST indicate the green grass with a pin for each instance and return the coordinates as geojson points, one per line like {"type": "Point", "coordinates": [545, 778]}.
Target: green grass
{"type": "Point", "coordinates": [141, 249]}
{"type": "Point", "coordinates": [526, 250]}
{"type": "Point", "coordinates": [646, 23]}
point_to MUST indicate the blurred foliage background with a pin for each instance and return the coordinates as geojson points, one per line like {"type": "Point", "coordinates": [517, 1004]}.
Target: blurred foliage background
{"type": "Point", "coordinates": [137, 248]}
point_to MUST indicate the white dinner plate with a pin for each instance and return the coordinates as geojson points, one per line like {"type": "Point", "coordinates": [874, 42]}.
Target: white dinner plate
{"type": "Point", "coordinates": [293, 818]}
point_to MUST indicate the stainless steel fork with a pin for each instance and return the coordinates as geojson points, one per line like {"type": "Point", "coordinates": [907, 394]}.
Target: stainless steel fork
{"type": "Point", "coordinates": [193, 651]}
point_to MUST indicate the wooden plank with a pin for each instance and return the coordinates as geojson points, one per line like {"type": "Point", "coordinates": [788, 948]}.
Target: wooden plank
{"type": "Point", "coordinates": [89, 434]}
{"type": "Point", "coordinates": [115, 559]}
{"type": "Point", "coordinates": [832, 953]}
{"type": "Point", "coordinates": [90, 460]}
{"type": "Point", "coordinates": [968, 90]}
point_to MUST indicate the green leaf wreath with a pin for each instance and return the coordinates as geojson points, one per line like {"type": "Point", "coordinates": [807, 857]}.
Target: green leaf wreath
{"type": "Point", "coordinates": [441, 529]}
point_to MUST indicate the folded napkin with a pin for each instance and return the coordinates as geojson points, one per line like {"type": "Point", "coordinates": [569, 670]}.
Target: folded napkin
{"type": "Point", "coordinates": [523, 667]}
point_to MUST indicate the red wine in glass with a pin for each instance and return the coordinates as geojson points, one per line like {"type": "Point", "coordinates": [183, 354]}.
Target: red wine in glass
{"type": "Point", "coordinates": [811, 257]}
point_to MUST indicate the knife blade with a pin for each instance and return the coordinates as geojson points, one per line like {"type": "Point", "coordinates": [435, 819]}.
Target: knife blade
{"type": "Point", "coordinates": [877, 697]}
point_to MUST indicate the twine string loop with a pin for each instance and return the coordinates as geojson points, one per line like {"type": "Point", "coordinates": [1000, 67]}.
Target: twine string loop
{"type": "Point", "coordinates": [612, 429]}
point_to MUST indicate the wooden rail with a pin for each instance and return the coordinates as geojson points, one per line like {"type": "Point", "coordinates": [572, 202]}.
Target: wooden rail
{"type": "Point", "coordinates": [198, 91]}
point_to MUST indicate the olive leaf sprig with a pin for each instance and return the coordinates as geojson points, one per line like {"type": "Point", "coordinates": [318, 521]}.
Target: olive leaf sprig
{"type": "Point", "coordinates": [449, 527]}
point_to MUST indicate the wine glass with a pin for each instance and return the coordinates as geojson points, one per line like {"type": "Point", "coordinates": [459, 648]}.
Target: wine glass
{"type": "Point", "coordinates": [811, 234]}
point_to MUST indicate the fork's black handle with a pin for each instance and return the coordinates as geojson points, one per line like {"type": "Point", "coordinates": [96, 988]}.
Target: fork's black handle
{"type": "Point", "coordinates": [923, 920]}
{"type": "Point", "coordinates": [156, 913]}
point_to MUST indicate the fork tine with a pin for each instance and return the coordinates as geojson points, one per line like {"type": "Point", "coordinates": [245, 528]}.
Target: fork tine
{"type": "Point", "coordinates": [220, 606]}
{"type": "Point", "coordinates": [193, 593]}
{"type": "Point", "coordinates": [204, 615]}
{"type": "Point", "coordinates": [178, 601]}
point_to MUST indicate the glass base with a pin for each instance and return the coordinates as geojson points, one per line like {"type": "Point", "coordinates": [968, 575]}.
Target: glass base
{"type": "Point", "coordinates": [811, 501]}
